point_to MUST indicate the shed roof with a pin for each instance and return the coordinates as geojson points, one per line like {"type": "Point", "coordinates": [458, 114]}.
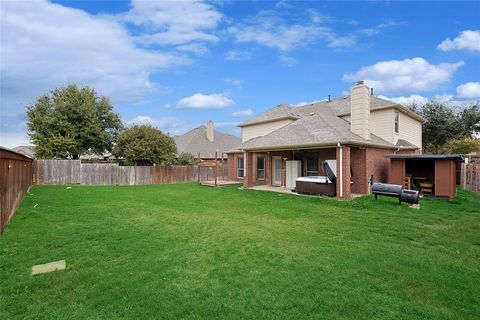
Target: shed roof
{"type": "Point", "coordinates": [10, 154]}
{"type": "Point", "coordinates": [425, 156]}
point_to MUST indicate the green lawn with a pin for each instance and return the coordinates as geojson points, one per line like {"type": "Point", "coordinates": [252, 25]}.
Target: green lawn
{"type": "Point", "coordinates": [189, 252]}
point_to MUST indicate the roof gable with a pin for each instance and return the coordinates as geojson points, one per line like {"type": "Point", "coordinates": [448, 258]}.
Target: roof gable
{"type": "Point", "coordinates": [195, 141]}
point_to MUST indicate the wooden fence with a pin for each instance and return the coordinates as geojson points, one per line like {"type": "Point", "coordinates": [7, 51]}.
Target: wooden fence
{"type": "Point", "coordinates": [16, 177]}
{"type": "Point", "coordinates": [75, 172]}
{"type": "Point", "coordinates": [470, 176]}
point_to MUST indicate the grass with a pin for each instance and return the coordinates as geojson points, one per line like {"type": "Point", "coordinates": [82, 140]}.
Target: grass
{"type": "Point", "coordinates": [189, 252]}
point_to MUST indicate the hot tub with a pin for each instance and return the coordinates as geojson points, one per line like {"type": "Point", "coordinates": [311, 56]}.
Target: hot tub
{"type": "Point", "coordinates": [315, 185]}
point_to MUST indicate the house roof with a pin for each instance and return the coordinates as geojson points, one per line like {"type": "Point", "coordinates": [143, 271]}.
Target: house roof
{"type": "Point", "coordinates": [281, 111]}
{"type": "Point", "coordinates": [317, 129]}
{"type": "Point", "coordinates": [340, 106]}
{"type": "Point", "coordinates": [195, 141]}
{"type": "Point", "coordinates": [404, 144]}
{"type": "Point", "coordinates": [25, 150]}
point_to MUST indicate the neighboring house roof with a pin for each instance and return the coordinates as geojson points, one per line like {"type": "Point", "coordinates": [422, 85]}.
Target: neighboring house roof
{"type": "Point", "coordinates": [92, 156]}
{"type": "Point", "coordinates": [340, 106]}
{"type": "Point", "coordinates": [25, 150]}
{"type": "Point", "coordinates": [318, 129]}
{"type": "Point", "coordinates": [196, 141]}
{"type": "Point", "coordinates": [8, 152]}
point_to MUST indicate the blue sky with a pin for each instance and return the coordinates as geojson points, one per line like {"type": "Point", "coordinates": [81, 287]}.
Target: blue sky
{"type": "Point", "coordinates": [177, 65]}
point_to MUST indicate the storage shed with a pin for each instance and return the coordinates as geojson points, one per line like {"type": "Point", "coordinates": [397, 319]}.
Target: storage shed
{"type": "Point", "coordinates": [431, 174]}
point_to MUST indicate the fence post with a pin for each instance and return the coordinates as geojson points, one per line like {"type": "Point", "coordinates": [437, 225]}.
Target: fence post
{"type": "Point", "coordinates": [198, 166]}
{"type": "Point", "coordinates": [223, 168]}
{"type": "Point", "coordinates": [463, 175]}
{"type": "Point", "coordinates": [216, 167]}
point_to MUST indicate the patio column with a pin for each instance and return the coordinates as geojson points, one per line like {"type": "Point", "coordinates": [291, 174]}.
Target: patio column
{"type": "Point", "coordinates": [343, 174]}
{"type": "Point", "coordinates": [248, 167]}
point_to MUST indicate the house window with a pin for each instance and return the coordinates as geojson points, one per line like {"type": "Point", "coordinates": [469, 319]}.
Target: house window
{"type": "Point", "coordinates": [312, 163]}
{"type": "Point", "coordinates": [240, 167]}
{"type": "Point", "coordinates": [260, 168]}
{"type": "Point", "coordinates": [396, 121]}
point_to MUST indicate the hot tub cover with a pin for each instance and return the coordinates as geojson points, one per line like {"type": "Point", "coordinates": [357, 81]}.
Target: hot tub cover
{"type": "Point", "coordinates": [314, 179]}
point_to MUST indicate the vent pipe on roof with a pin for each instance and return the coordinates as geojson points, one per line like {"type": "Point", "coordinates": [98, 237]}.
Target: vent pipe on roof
{"type": "Point", "coordinates": [328, 98]}
{"type": "Point", "coordinates": [210, 131]}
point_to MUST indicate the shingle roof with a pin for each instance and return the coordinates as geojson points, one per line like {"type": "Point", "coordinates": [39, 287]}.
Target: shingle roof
{"type": "Point", "coordinates": [404, 144]}
{"type": "Point", "coordinates": [282, 111]}
{"type": "Point", "coordinates": [25, 150]}
{"type": "Point", "coordinates": [324, 128]}
{"type": "Point", "coordinates": [196, 141]}
{"type": "Point", "coordinates": [340, 106]}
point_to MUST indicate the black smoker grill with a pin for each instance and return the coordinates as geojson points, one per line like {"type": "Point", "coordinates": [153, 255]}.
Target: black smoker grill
{"type": "Point", "coordinates": [395, 190]}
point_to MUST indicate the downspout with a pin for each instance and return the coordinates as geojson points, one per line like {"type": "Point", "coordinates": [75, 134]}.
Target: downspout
{"type": "Point", "coordinates": [341, 169]}
{"type": "Point", "coordinates": [395, 152]}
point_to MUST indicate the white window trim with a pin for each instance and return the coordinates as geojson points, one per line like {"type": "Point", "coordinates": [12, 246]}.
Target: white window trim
{"type": "Point", "coordinates": [237, 169]}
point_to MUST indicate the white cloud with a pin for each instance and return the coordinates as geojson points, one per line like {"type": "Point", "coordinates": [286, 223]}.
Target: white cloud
{"type": "Point", "coordinates": [282, 37]}
{"type": "Point", "coordinates": [174, 22]}
{"type": "Point", "coordinates": [409, 75]}
{"type": "Point", "coordinates": [146, 120]}
{"type": "Point", "coordinates": [381, 27]}
{"type": "Point", "coordinates": [469, 90]}
{"type": "Point", "coordinates": [170, 125]}
{"type": "Point", "coordinates": [46, 45]}
{"type": "Point", "coordinates": [267, 28]}
{"type": "Point", "coordinates": [243, 113]}
{"type": "Point", "coordinates": [407, 100]}
{"type": "Point", "coordinates": [287, 60]}
{"type": "Point", "coordinates": [237, 55]}
{"type": "Point", "coordinates": [466, 40]}
{"type": "Point", "coordinates": [233, 82]}
{"type": "Point", "coordinates": [167, 105]}
{"type": "Point", "coordinates": [420, 100]}
{"type": "Point", "coordinates": [194, 48]}
{"type": "Point", "coordinates": [202, 101]}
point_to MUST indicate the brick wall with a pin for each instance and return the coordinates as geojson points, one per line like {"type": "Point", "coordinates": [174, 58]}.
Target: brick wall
{"type": "Point", "coordinates": [377, 164]}
{"type": "Point", "coordinates": [232, 166]}
{"type": "Point", "coordinates": [359, 170]}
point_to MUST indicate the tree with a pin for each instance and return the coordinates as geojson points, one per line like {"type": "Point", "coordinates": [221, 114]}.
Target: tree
{"type": "Point", "coordinates": [72, 121]}
{"type": "Point", "coordinates": [185, 159]}
{"type": "Point", "coordinates": [461, 146]}
{"type": "Point", "coordinates": [145, 145]}
{"type": "Point", "coordinates": [443, 126]}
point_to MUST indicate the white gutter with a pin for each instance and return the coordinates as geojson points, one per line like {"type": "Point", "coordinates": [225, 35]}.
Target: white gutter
{"type": "Point", "coordinates": [341, 169]}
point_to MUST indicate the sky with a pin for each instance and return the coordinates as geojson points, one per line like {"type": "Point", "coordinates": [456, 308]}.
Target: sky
{"type": "Point", "coordinates": [177, 64]}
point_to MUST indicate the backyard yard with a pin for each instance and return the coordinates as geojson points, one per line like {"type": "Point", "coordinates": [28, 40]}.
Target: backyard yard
{"type": "Point", "coordinates": [184, 251]}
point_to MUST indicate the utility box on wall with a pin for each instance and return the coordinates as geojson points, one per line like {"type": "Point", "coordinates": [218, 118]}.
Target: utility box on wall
{"type": "Point", "coordinates": [293, 170]}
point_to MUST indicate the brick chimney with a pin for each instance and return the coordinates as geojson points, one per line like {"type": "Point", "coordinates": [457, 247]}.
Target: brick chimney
{"type": "Point", "coordinates": [210, 131]}
{"type": "Point", "coordinates": [360, 110]}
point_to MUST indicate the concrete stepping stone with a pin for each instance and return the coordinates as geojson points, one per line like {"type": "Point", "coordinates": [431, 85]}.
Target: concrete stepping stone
{"type": "Point", "coordinates": [49, 267]}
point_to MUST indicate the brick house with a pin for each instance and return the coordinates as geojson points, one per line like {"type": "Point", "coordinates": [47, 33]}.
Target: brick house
{"type": "Point", "coordinates": [356, 130]}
